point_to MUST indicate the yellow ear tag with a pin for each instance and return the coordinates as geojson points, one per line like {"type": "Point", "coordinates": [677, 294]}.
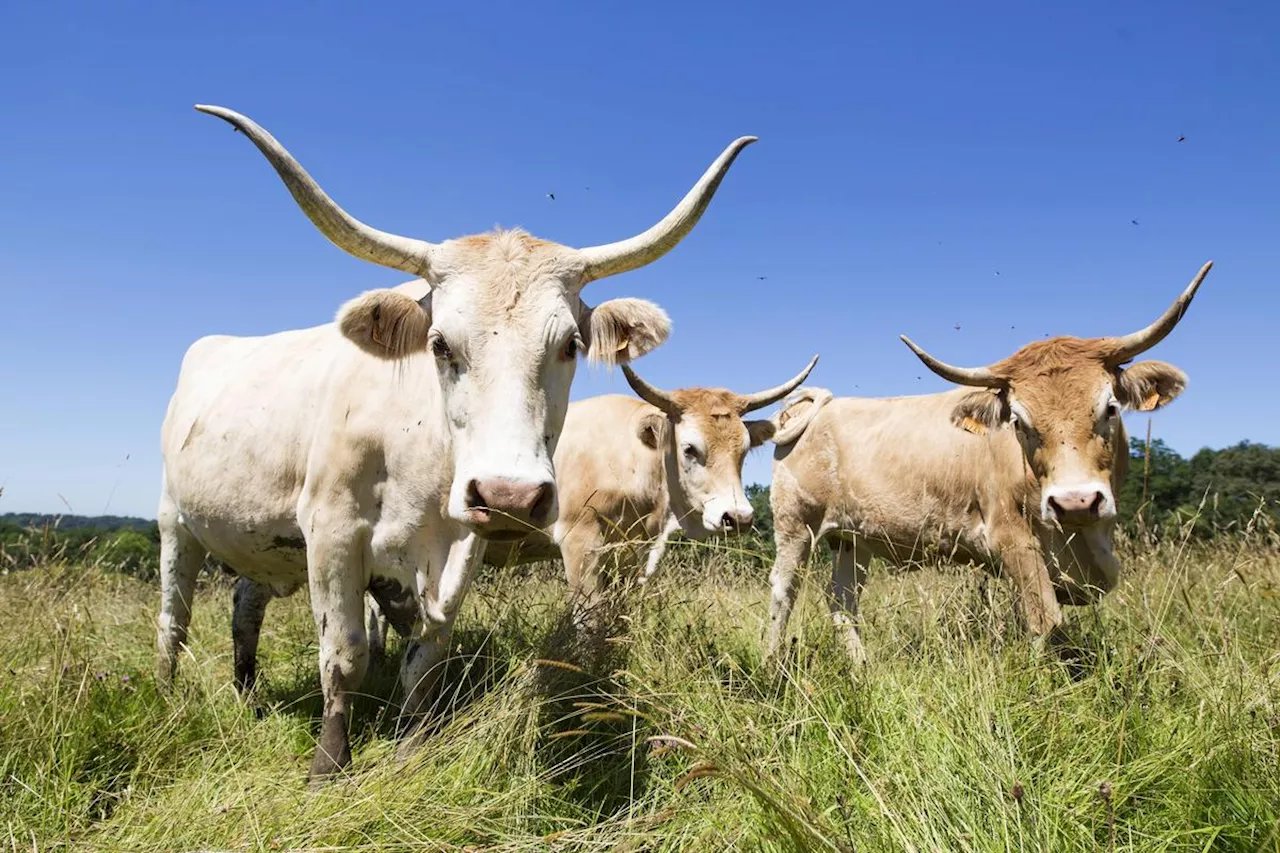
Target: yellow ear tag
{"type": "Point", "coordinates": [973, 426]}
{"type": "Point", "coordinates": [1150, 403]}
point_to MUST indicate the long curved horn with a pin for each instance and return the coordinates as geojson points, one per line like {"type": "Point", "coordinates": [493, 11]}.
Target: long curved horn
{"type": "Point", "coordinates": [343, 230]}
{"type": "Point", "coordinates": [1129, 346]}
{"type": "Point", "coordinates": [635, 252]}
{"type": "Point", "coordinates": [653, 396]}
{"type": "Point", "coordinates": [981, 376]}
{"type": "Point", "coordinates": [760, 399]}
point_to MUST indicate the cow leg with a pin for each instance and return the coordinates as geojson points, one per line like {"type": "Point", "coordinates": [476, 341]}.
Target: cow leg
{"type": "Point", "coordinates": [582, 549]}
{"type": "Point", "coordinates": [792, 551]}
{"type": "Point", "coordinates": [248, 608]}
{"type": "Point", "coordinates": [423, 661]}
{"type": "Point", "coordinates": [181, 557]}
{"type": "Point", "coordinates": [659, 548]}
{"type": "Point", "coordinates": [375, 628]}
{"type": "Point", "coordinates": [337, 602]}
{"type": "Point", "coordinates": [848, 574]}
{"type": "Point", "coordinates": [1037, 599]}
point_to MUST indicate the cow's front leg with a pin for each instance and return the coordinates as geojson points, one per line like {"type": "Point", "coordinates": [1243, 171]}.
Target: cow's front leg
{"type": "Point", "coordinates": [582, 549]}
{"type": "Point", "coordinates": [793, 545]}
{"type": "Point", "coordinates": [1037, 599]}
{"type": "Point", "coordinates": [337, 602]}
{"type": "Point", "coordinates": [443, 587]}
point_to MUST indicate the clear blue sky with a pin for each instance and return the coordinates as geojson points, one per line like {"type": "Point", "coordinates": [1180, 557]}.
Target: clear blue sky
{"type": "Point", "coordinates": [908, 152]}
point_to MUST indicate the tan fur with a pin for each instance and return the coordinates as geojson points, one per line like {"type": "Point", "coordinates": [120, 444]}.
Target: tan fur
{"type": "Point", "coordinates": [911, 478]}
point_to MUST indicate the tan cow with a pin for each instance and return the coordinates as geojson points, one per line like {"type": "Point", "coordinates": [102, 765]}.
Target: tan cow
{"type": "Point", "coordinates": [631, 473]}
{"type": "Point", "coordinates": [1020, 475]}
{"type": "Point", "coordinates": [380, 452]}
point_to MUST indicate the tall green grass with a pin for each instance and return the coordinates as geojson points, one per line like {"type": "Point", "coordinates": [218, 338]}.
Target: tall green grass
{"type": "Point", "coordinates": [1162, 731]}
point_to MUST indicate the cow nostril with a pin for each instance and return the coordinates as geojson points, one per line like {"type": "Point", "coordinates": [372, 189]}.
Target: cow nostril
{"type": "Point", "coordinates": [727, 521]}
{"type": "Point", "coordinates": [474, 499]}
{"type": "Point", "coordinates": [1055, 506]}
{"type": "Point", "coordinates": [541, 510]}
{"type": "Point", "coordinates": [1095, 506]}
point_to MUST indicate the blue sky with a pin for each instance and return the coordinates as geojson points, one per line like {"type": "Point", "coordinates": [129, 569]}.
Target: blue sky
{"type": "Point", "coordinates": [920, 165]}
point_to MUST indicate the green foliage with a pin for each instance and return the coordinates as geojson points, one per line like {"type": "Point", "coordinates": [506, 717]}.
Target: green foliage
{"type": "Point", "coordinates": [1215, 491]}
{"type": "Point", "coordinates": [130, 545]}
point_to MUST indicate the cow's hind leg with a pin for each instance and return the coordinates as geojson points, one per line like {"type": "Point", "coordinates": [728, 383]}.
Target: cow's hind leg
{"type": "Point", "coordinates": [181, 557]}
{"type": "Point", "coordinates": [793, 546]}
{"type": "Point", "coordinates": [248, 608]}
{"type": "Point", "coordinates": [848, 574]}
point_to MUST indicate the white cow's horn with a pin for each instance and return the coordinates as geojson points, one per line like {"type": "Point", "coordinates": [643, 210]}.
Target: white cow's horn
{"type": "Point", "coordinates": [344, 230]}
{"type": "Point", "coordinates": [635, 252]}
{"type": "Point", "coordinates": [981, 376]}
{"type": "Point", "coordinates": [760, 399]}
{"type": "Point", "coordinates": [1129, 346]}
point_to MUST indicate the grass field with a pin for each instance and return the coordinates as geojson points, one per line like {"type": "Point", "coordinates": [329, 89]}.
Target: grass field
{"type": "Point", "coordinates": [1163, 733]}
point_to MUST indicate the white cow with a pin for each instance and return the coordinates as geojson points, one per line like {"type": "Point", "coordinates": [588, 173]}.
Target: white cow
{"type": "Point", "coordinates": [386, 460]}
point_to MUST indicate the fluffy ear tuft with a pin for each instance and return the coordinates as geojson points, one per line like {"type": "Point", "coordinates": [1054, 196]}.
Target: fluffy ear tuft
{"type": "Point", "coordinates": [1149, 385]}
{"type": "Point", "coordinates": [760, 431]}
{"type": "Point", "coordinates": [386, 323]}
{"type": "Point", "coordinates": [621, 330]}
{"type": "Point", "coordinates": [652, 429]}
{"type": "Point", "coordinates": [980, 411]}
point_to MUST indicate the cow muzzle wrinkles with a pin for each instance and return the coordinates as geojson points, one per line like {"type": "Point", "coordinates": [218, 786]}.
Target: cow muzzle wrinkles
{"type": "Point", "coordinates": [503, 508]}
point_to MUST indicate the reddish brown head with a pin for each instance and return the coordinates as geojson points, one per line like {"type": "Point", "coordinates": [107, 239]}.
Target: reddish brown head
{"type": "Point", "coordinates": [1063, 396]}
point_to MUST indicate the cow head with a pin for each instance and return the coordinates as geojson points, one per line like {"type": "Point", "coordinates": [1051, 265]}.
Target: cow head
{"type": "Point", "coordinates": [1064, 397]}
{"type": "Point", "coordinates": [705, 440]}
{"type": "Point", "coordinates": [504, 323]}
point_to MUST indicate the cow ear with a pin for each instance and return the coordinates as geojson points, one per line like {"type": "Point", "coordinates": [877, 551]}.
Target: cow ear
{"type": "Point", "coordinates": [652, 429]}
{"type": "Point", "coordinates": [386, 323]}
{"type": "Point", "coordinates": [1149, 385]}
{"type": "Point", "coordinates": [983, 410]}
{"type": "Point", "coordinates": [760, 431]}
{"type": "Point", "coordinates": [620, 330]}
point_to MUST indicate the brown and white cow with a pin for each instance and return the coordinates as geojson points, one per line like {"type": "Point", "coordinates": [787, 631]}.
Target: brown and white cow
{"type": "Point", "coordinates": [384, 461]}
{"type": "Point", "coordinates": [1019, 475]}
{"type": "Point", "coordinates": [631, 473]}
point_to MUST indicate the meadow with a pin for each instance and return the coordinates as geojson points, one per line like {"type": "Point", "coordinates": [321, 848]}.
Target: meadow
{"type": "Point", "coordinates": [1159, 728]}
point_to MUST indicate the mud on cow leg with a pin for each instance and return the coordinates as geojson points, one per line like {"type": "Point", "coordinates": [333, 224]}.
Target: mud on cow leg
{"type": "Point", "coordinates": [248, 608]}
{"type": "Point", "coordinates": [181, 557]}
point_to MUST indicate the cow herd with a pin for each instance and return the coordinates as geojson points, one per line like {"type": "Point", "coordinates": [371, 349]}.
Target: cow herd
{"type": "Point", "coordinates": [385, 456]}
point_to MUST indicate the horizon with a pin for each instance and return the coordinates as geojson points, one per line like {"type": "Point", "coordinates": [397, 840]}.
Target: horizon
{"type": "Point", "coordinates": [974, 178]}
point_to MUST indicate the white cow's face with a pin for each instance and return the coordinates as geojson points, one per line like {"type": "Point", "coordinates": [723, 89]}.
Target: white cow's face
{"type": "Point", "coordinates": [505, 332]}
{"type": "Point", "coordinates": [505, 325]}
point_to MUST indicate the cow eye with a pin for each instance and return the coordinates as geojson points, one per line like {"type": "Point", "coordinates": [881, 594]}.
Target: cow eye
{"type": "Point", "coordinates": [1113, 410]}
{"type": "Point", "coordinates": [440, 349]}
{"type": "Point", "coordinates": [690, 453]}
{"type": "Point", "coordinates": [572, 347]}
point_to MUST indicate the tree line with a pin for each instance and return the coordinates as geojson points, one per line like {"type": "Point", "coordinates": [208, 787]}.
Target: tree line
{"type": "Point", "coordinates": [1213, 493]}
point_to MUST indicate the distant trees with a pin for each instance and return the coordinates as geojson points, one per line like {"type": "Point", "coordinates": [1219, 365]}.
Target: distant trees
{"type": "Point", "coordinates": [1214, 491]}
{"type": "Point", "coordinates": [126, 544]}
